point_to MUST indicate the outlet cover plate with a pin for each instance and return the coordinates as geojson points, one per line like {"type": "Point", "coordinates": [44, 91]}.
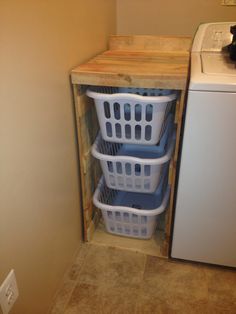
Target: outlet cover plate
{"type": "Point", "coordinates": [8, 292]}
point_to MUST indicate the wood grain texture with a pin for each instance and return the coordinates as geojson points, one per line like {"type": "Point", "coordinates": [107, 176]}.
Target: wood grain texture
{"type": "Point", "coordinates": [90, 172]}
{"type": "Point", "coordinates": [150, 64]}
{"type": "Point", "coordinates": [172, 175]}
{"type": "Point", "coordinates": [147, 43]}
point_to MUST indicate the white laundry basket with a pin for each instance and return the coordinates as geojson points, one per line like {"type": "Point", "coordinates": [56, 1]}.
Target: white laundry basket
{"type": "Point", "coordinates": [135, 168]}
{"type": "Point", "coordinates": [131, 214]}
{"type": "Point", "coordinates": [131, 115]}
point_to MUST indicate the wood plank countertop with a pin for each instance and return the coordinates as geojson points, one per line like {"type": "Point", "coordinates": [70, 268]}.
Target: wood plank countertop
{"type": "Point", "coordinates": [138, 61]}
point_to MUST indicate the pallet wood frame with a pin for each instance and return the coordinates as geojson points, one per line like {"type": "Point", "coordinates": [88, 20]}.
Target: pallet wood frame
{"type": "Point", "coordinates": [90, 172]}
{"type": "Point", "coordinates": [133, 61]}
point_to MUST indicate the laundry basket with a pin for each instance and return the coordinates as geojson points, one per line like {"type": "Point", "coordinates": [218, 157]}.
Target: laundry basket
{"type": "Point", "coordinates": [131, 115]}
{"type": "Point", "coordinates": [131, 214]}
{"type": "Point", "coordinates": [135, 168]}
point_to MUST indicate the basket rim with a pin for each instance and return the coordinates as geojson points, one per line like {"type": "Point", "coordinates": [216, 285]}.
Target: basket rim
{"type": "Point", "coordinates": [133, 97]}
{"type": "Point", "coordinates": [142, 161]}
{"type": "Point", "coordinates": [150, 212]}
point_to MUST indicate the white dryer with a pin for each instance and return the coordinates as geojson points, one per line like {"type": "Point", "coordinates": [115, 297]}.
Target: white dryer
{"type": "Point", "coordinates": [205, 213]}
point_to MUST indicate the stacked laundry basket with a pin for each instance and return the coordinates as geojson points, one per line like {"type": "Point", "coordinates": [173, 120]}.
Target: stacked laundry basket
{"type": "Point", "coordinates": [134, 146]}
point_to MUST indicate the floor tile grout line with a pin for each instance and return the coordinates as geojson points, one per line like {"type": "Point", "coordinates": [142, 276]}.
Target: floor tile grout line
{"type": "Point", "coordinates": [69, 297]}
{"type": "Point", "coordinates": [64, 279]}
{"type": "Point", "coordinates": [144, 268]}
{"type": "Point", "coordinates": [67, 279]}
{"type": "Point", "coordinates": [76, 281]}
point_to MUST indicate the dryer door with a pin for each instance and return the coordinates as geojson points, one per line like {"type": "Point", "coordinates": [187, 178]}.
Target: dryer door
{"type": "Point", "coordinates": [205, 216]}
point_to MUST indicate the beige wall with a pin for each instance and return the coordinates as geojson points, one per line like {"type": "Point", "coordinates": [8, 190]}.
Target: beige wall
{"type": "Point", "coordinates": [169, 17]}
{"type": "Point", "coordinates": [40, 223]}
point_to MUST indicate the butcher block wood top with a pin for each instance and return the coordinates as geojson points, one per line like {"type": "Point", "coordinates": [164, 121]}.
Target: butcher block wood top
{"type": "Point", "coordinates": [138, 61]}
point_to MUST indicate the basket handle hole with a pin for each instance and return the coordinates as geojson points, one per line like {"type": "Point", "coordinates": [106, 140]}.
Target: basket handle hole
{"type": "Point", "coordinates": [137, 169]}
{"type": "Point", "coordinates": [138, 112]}
{"type": "Point", "coordinates": [117, 111]}
{"type": "Point", "coordinates": [127, 112]}
{"type": "Point", "coordinates": [149, 112]}
{"type": "Point", "coordinates": [107, 109]}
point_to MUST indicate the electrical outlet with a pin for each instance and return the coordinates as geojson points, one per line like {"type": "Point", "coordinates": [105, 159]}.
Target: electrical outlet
{"type": "Point", "coordinates": [8, 292]}
{"type": "Point", "coordinates": [228, 2]}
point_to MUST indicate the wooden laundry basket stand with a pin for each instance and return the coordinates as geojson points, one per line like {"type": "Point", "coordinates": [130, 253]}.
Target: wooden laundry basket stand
{"type": "Point", "coordinates": [131, 61]}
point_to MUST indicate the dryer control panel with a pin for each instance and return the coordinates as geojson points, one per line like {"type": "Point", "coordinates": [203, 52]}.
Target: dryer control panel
{"type": "Point", "coordinates": [217, 36]}
{"type": "Point", "coordinates": [213, 37]}
{"type": "Point", "coordinates": [212, 68]}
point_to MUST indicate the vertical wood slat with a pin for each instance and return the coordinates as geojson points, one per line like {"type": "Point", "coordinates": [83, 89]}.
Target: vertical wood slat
{"type": "Point", "coordinates": [90, 172]}
{"type": "Point", "coordinates": [172, 176]}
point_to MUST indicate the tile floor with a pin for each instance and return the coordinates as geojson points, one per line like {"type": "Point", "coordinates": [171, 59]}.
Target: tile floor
{"type": "Point", "coordinates": [110, 280]}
